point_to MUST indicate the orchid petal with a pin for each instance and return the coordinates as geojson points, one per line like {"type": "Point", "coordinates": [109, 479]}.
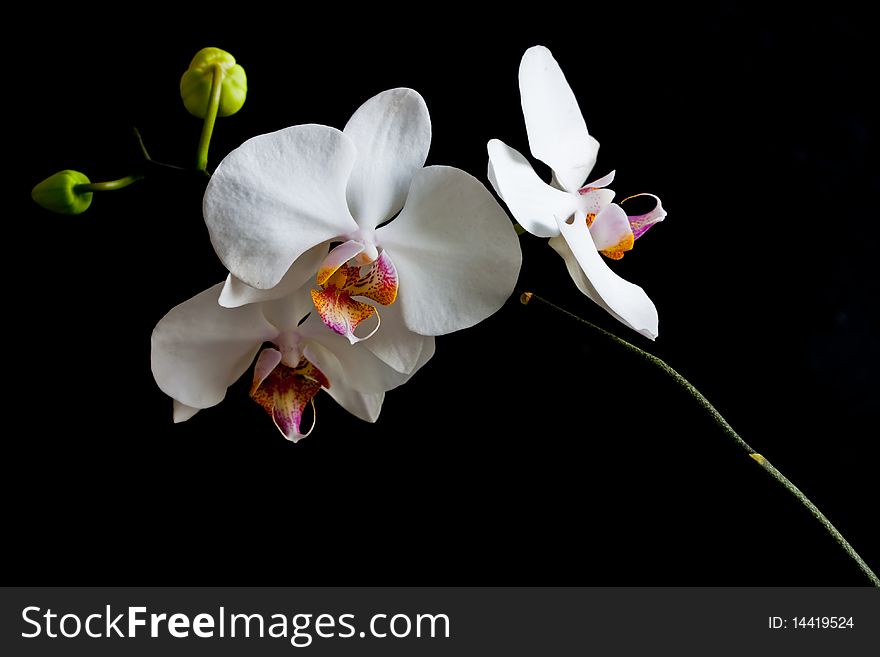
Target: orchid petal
{"type": "Point", "coordinates": [275, 197]}
{"type": "Point", "coordinates": [640, 223]}
{"type": "Point", "coordinates": [455, 250]}
{"type": "Point", "coordinates": [557, 131]}
{"type": "Point", "coordinates": [363, 405]}
{"type": "Point", "coordinates": [366, 406]}
{"type": "Point", "coordinates": [345, 364]}
{"type": "Point", "coordinates": [627, 302]}
{"type": "Point", "coordinates": [182, 412]}
{"type": "Point", "coordinates": [604, 181]}
{"type": "Point", "coordinates": [286, 313]}
{"type": "Point", "coordinates": [577, 274]}
{"type": "Point", "coordinates": [396, 345]}
{"type": "Point", "coordinates": [532, 202]}
{"type": "Point", "coordinates": [237, 293]}
{"type": "Point", "coordinates": [392, 133]}
{"type": "Point", "coordinates": [611, 232]}
{"type": "Point", "coordinates": [200, 348]}
{"type": "Point", "coordinates": [427, 353]}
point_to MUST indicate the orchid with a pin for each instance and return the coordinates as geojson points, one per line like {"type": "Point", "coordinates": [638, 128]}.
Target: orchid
{"type": "Point", "coordinates": [346, 256]}
{"type": "Point", "coordinates": [201, 348]}
{"type": "Point", "coordinates": [358, 210]}
{"type": "Point", "coordinates": [581, 219]}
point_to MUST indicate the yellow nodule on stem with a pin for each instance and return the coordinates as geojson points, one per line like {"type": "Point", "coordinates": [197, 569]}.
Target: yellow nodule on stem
{"type": "Point", "coordinates": [196, 83]}
{"type": "Point", "coordinates": [760, 459]}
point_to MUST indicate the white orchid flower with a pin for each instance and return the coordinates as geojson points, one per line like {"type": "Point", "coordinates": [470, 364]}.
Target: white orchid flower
{"type": "Point", "coordinates": [201, 348]}
{"type": "Point", "coordinates": [430, 243]}
{"type": "Point", "coordinates": [580, 219]}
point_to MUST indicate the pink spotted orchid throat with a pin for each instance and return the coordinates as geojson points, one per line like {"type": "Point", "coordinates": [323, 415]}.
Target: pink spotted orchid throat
{"type": "Point", "coordinates": [285, 384]}
{"type": "Point", "coordinates": [353, 270]}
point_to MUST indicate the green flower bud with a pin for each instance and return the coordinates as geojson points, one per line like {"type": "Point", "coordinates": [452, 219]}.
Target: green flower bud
{"type": "Point", "coordinates": [58, 193]}
{"type": "Point", "coordinates": [195, 85]}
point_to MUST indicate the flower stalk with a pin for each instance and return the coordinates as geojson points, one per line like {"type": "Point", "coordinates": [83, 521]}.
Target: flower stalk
{"type": "Point", "coordinates": [210, 118]}
{"type": "Point", "coordinates": [109, 186]}
{"type": "Point", "coordinates": [527, 297]}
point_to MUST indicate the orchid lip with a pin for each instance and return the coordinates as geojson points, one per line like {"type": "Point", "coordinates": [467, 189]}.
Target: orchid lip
{"type": "Point", "coordinates": [285, 391]}
{"type": "Point", "coordinates": [340, 283]}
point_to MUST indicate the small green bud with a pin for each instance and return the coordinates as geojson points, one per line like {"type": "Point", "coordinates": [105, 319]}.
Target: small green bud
{"type": "Point", "coordinates": [195, 85]}
{"type": "Point", "coordinates": [58, 193]}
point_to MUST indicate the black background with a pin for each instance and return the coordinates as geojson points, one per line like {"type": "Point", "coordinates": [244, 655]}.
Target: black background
{"type": "Point", "coordinates": [529, 450]}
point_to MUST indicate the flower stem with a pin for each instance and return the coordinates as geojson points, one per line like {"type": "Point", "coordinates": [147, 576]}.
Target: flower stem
{"type": "Point", "coordinates": [109, 186]}
{"type": "Point", "coordinates": [146, 155]}
{"type": "Point", "coordinates": [210, 118]}
{"type": "Point", "coordinates": [526, 297]}
{"type": "Point", "coordinates": [140, 141]}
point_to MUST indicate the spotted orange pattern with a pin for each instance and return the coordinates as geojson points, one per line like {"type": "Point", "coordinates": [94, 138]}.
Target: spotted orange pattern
{"type": "Point", "coordinates": [335, 303]}
{"type": "Point", "coordinates": [339, 311]}
{"type": "Point", "coordinates": [285, 393]}
{"type": "Point", "coordinates": [379, 283]}
{"type": "Point", "coordinates": [337, 258]}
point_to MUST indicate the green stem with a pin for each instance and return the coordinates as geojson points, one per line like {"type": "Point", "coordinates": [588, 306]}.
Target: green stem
{"type": "Point", "coordinates": [109, 186]}
{"type": "Point", "coordinates": [725, 426]}
{"type": "Point", "coordinates": [210, 118]}
{"type": "Point", "coordinates": [146, 155]}
{"type": "Point", "coordinates": [140, 141]}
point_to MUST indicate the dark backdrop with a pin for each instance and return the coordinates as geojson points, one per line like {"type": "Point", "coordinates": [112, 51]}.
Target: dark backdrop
{"type": "Point", "coordinates": [529, 450]}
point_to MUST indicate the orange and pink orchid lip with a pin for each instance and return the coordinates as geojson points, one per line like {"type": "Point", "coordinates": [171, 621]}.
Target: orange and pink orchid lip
{"type": "Point", "coordinates": [340, 282]}
{"type": "Point", "coordinates": [284, 392]}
